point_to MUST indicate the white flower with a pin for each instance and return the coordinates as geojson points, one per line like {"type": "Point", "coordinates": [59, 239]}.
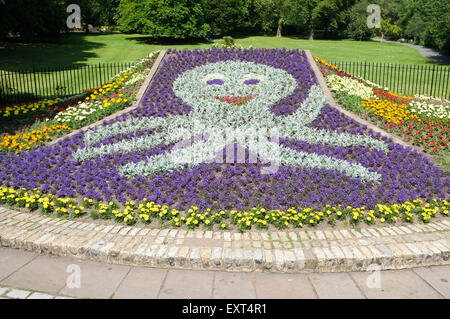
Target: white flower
{"type": "Point", "coordinates": [350, 86]}
{"type": "Point", "coordinates": [430, 110]}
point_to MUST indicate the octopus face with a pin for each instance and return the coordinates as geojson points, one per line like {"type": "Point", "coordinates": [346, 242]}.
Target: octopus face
{"type": "Point", "coordinates": [232, 83]}
{"type": "Point", "coordinates": [212, 91]}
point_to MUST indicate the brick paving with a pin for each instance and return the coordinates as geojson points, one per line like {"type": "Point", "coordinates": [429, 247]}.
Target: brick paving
{"type": "Point", "coordinates": [308, 250]}
{"type": "Point", "coordinates": [37, 276]}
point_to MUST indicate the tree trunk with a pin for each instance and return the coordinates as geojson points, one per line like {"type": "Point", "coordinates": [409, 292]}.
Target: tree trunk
{"type": "Point", "coordinates": [311, 34]}
{"type": "Point", "coordinates": [280, 27]}
{"type": "Point", "coordinates": [86, 27]}
{"type": "Point", "coordinates": [382, 36]}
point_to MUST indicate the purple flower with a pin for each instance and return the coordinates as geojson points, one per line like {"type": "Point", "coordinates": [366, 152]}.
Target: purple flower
{"type": "Point", "coordinates": [252, 82]}
{"type": "Point", "coordinates": [215, 82]}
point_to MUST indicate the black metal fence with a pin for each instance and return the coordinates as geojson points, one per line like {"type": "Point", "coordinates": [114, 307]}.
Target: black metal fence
{"type": "Point", "coordinates": [431, 80]}
{"type": "Point", "coordinates": [39, 83]}
{"type": "Point", "coordinates": [36, 84]}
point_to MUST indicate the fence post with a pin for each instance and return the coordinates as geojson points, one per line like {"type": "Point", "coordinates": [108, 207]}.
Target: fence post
{"type": "Point", "coordinates": [365, 64]}
{"type": "Point", "coordinates": [34, 82]}
{"type": "Point", "coordinates": [432, 81]}
{"type": "Point", "coordinates": [2, 88]}
{"type": "Point", "coordinates": [446, 85]}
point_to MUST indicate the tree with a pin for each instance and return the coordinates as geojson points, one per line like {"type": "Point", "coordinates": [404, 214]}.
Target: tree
{"type": "Point", "coordinates": [326, 16]}
{"type": "Point", "coordinates": [304, 13]}
{"type": "Point", "coordinates": [33, 20]}
{"type": "Point", "coordinates": [392, 31]}
{"type": "Point", "coordinates": [426, 21]}
{"type": "Point", "coordinates": [178, 19]}
{"type": "Point", "coordinates": [105, 11]}
{"type": "Point", "coordinates": [416, 28]}
{"type": "Point", "coordinates": [225, 16]}
{"type": "Point", "coordinates": [330, 16]}
{"type": "Point", "coordinates": [274, 14]}
{"type": "Point", "coordinates": [88, 16]}
{"type": "Point", "coordinates": [357, 28]}
{"type": "Point", "coordinates": [438, 31]}
{"type": "Point", "coordinates": [97, 12]}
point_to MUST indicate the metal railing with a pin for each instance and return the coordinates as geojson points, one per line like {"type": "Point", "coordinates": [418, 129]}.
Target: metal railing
{"type": "Point", "coordinates": [36, 84]}
{"type": "Point", "coordinates": [405, 79]}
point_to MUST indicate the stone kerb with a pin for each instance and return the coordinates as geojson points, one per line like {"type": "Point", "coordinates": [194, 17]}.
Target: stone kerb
{"type": "Point", "coordinates": [296, 250]}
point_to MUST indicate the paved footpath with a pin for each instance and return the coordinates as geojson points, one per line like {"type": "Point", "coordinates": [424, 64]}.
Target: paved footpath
{"type": "Point", "coordinates": [428, 53]}
{"type": "Point", "coordinates": [27, 275]}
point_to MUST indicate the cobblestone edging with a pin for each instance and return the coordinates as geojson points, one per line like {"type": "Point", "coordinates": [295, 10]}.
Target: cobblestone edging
{"type": "Point", "coordinates": [308, 250]}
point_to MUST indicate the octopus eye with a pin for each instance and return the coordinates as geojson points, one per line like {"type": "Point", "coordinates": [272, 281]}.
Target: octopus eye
{"type": "Point", "coordinates": [215, 82]}
{"type": "Point", "coordinates": [252, 81]}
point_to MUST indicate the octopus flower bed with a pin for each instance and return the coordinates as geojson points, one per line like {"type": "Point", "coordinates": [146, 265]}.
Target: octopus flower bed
{"type": "Point", "coordinates": [286, 158]}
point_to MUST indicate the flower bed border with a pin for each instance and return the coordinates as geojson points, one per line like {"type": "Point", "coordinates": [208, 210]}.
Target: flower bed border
{"type": "Point", "coordinates": [334, 104]}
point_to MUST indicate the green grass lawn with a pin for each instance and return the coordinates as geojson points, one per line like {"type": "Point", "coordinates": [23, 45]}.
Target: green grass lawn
{"type": "Point", "coordinates": [343, 50]}
{"type": "Point", "coordinates": [108, 48]}
{"type": "Point", "coordinates": [81, 49]}
{"type": "Point", "coordinates": [87, 50]}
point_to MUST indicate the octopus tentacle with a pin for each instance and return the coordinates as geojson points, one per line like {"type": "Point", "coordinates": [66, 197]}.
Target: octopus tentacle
{"type": "Point", "coordinates": [138, 144]}
{"type": "Point", "coordinates": [197, 153]}
{"type": "Point", "coordinates": [280, 155]}
{"type": "Point", "coordinates": [325, 137]}
{"type": "Point", "coordinates": [129, 126]}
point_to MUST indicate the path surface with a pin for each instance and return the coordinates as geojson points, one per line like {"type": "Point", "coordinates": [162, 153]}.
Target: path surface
{"type": "Point", "coordinates": [30, 275]}
{"type": "Point", "coordinates": [425, 52]}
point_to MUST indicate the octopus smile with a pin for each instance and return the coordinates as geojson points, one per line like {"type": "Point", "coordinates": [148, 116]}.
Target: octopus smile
{"type": "Point", "coordinates": [235, 100]}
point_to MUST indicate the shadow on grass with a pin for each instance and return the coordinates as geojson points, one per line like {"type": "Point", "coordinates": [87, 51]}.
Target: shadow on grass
{"type": "Point", "coordinates": [56, 62]}
{"type": "Point", "coordinates": [168, 41]}
{"type": "Point", "coordinates": [65, 52]}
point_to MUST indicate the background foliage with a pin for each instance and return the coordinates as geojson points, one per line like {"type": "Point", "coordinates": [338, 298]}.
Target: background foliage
{"type": "Point", "coordinates": [425, 22]}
